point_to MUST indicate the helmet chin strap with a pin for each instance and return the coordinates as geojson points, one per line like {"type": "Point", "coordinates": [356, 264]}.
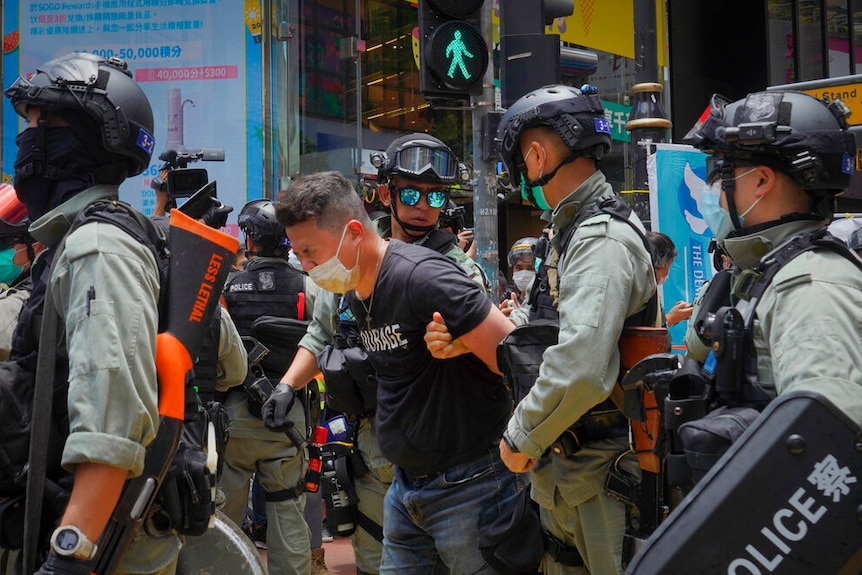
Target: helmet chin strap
{"type": "Point", "coordinates": [573, 155]}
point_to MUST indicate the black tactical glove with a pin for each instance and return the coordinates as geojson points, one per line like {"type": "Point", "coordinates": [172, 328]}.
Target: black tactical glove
{"type": "Point", "coordinates": [274, 411]}
{"type": "Point", "coordinates": [216, 214]}
{"type": "Point", "coordinates": [59, 565]}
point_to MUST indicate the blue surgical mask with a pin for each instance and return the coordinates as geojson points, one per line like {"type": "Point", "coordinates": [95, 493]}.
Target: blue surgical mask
{"type": "Point", "coordinates": [717, 218]}
{"type": "Point", "coordinates": [8, 270]}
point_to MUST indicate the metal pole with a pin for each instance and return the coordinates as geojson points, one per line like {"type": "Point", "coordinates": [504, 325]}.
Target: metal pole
{"type": "Point", "coordinates": [484, 171]}
{"type": "Point", "coordinates": [647, 123]}
{"type": "Point", "coordinates": [266, 120]}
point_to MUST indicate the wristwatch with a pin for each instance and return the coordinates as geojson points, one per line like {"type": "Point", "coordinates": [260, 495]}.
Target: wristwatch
{"type": "Point", "coordinates": [68, 541]}
{"type": "Point", "coordinates": [509, 443]}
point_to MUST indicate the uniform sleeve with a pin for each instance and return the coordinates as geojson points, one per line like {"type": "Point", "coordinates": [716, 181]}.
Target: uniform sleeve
{"type": "Point", "coordinates": [695, 348]}
{"type": "Point", "coordinates": [11, 302]}
{"type": "Point", "coordinates": [471, 268]}
{"type": "Point", "coordinates": [604, 279]}
{"type": "Point", "coordinates": [321, 331]}
{"type": "Point", "coordinates": [232, 364]}
{"type": "Point", "coordinates": [811, 321]}
{"type": "Point", "coordinates": [106, 287]}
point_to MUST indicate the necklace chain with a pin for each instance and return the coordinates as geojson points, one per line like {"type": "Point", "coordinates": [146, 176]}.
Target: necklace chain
{"type": "Point", "coordinates": [371, 297]}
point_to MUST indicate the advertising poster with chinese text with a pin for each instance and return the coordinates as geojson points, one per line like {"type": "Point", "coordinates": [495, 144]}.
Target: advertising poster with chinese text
{"type": "Point", "coordinates": [198, 61]}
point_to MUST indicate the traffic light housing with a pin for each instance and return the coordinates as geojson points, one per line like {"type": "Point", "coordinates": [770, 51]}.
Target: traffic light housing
{"type": "Point", "coordinates": [529, 58]}
{"type": "Point", "coordinates": [453, 52]}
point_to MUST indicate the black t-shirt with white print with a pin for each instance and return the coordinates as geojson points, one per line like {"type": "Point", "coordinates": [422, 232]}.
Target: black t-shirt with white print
{"type": "Point", "coordinates": [431, 414]}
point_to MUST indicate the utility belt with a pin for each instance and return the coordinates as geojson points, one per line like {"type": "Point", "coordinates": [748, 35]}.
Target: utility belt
{"type": "Point", "coordinates": [604, 421]}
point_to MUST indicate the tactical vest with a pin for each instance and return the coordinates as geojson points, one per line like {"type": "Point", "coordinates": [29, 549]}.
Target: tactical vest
{"type": "Point", "coordinates": [732, 337]}
{"type": "Point", "coordinates": [704, 404]}
{"type": "Point", "coordinates": [541, 298]}
{"type": "Point", "coordinates": [206, 363]}
{"type": "Point", "coordinates": [21, 367]}
{"type": "Point", "coordinates": [265, 288]}
{"type": "Point", "coordinates": [615, 207]}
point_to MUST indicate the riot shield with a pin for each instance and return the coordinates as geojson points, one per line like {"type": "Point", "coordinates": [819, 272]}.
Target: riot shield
{"type": "Point", "coordinates": [785, 499]}
{"type": "Point", "coordinates": [222, 550]}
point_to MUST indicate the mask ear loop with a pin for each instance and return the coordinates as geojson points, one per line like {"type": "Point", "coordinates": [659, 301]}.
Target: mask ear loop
{"type": "Point", "coordinates": [728, 184]}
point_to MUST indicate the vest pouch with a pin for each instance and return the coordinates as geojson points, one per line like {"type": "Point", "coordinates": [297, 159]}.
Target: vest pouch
{"type": "Point", "coordinates": [16, 403]}
{"type": "Point", "coordinates": [514, 543]}
{"type": "Point", "coordinates": [186, 496]}
{"type": "Point", "coordinates": [351, 386]}
{"type": "Point", "coordinates": [282, 336]}
{"type": "Point", "coordinates": [519, 355]}
{"type": "Point", "coordinates": [705, 440]}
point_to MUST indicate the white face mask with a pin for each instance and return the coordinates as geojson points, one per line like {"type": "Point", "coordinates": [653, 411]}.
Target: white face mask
{"type": "Point", "coordinates": [332, 276]}
{"type": "Point", "coordinates": [523, 279]}
{"type": "Point", "coordinates": [717, 218]}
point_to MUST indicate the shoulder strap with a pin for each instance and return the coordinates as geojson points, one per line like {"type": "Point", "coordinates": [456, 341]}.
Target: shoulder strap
{"type": "Point", "coordinates": [39, 426]}
{"type": "Point", "coordinates": [614, 206]}
{"type": "Point", "coordinates": [439, 240]}
{"type": "Point", "coordinates": [753, 282]}
{"type": "Point", "coordinates": [141, 228]}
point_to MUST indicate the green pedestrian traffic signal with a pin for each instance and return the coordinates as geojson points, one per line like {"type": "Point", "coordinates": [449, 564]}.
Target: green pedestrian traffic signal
{"type": "Point", "coordinates": [453, 52]}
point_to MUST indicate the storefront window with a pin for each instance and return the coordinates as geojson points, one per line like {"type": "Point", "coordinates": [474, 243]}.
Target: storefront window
{"type": "Point", "coordinates": [357, 85]}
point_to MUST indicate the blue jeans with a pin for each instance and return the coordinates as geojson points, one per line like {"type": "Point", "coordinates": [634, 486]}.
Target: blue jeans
{"type": "Point", "coordinates": [431, 524]}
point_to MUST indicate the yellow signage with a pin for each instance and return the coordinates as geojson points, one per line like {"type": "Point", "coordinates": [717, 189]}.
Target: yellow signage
{"type": "Point", "coordinates": [850, 94]}
{"type": "Point", "coordinates": [607, 25]}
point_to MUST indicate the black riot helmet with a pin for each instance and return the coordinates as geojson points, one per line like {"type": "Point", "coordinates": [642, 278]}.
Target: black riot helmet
{"type": "Point", "coordinates": [257, 220]}
{"type": "Point", "coordinates": [420, 157]}
{"type": "Point", "coordinates": [85, 86]}
{"type": "Point", "coordinates": [792, 132]}
{"type": "Point", "coordinates": [576, 115]}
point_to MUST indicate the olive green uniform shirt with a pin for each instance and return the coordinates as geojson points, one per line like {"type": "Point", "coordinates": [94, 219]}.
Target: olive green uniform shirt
{"type": "Point", "coordinates": [606, 276]}
{"type": "Point", "coordinates": [809, 319]}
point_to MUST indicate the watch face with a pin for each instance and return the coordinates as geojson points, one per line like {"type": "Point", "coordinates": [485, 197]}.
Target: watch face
{"type": "Point", "coordinates": [67, 540]}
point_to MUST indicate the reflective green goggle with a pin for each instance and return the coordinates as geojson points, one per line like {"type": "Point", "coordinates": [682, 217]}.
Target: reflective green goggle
{"type": "Point", "coordinates": [410, 197]}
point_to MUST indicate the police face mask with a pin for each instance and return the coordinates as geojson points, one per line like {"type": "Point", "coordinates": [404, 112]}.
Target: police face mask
{"type": "Point", "coordinates": [535, 195]}
{"type": "Point", "coordinates": [45, 178]}
{"type": "Point", "coordinates": [332, 276]}
{"type": "Point", "coordinates": [8, 270]}
{"type": "Point", "coordinates": [717, 218]}
{"type": "Point", "coordinates": [523, 279]}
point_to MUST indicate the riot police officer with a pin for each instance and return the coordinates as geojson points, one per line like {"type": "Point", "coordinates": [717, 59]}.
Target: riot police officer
{"type": "Point", "coordinates": [88, 126]}
{"type": "Point", "coordinates": [550, 141]}
{"type": "Point", "coordinates": [778, 159]}
{"type": "Point", "coordinates": [267, 285]}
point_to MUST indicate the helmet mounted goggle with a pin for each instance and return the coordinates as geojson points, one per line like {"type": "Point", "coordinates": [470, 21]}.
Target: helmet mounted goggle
{"type": "Point", "coordinates": [418, 160]}
{"type": "Point", "coordinates": [520, 250]}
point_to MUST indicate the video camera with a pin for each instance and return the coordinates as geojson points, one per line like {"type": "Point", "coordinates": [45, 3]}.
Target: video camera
{"type": "Point", "coordinates": [180, 181]}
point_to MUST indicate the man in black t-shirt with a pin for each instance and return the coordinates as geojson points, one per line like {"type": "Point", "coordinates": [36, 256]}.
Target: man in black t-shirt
{"type": "Point", "coordinates": [438, 420]}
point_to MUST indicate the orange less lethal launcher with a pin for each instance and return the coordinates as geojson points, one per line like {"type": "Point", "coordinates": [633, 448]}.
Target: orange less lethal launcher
{"type": "Point", "coordinates": [200, 261]}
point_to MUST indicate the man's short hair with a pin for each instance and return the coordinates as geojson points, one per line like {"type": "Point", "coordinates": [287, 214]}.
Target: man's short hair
{"type": "Point", "coordinates": [327, 197]}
